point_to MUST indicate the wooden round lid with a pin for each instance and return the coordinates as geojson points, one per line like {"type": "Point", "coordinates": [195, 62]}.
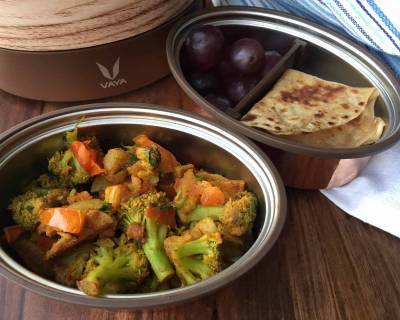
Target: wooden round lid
{"type": "Point", "coordinates": [46, 25]}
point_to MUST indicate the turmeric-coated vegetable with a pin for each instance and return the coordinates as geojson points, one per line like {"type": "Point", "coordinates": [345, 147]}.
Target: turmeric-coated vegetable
{"type": "Point", "coordinates": [168, 161]}
{"type": "Point", "coordinates": [128, 219]}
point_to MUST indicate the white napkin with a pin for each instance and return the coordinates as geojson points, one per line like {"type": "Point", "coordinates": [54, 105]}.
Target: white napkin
{"type": "Point", "coordinates": [374, 196]}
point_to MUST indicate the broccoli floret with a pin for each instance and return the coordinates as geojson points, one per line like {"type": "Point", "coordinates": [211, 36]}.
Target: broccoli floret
{"type": "Point", "coordinates": [47, 181]}
{"type": "Point", "coordinates": [237, 215]}
{"type": "Point", "coordinates": [26, 207]}
{"type": "Point", "coordinates": [71, 136]}
{"type": "Point", "coordinates": [69, 268]}
{"type": "Point", "coordinates": [65, 165]}
{"type": "Point", "coordinates": [114, 269]}
{"type": "Point", "coordinates": [57, 197]}
{"type": "Point", "coordinates": [195, 254]}
{"type": "Point", "coordinates": [133, 212]}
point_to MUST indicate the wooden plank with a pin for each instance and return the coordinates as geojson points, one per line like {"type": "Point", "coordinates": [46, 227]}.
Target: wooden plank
{"type": "Point", "coordinates": [14, 110]}
{"type": "Point", "coordinates": [165, 92]}
{"type": "Point", "coordinates": [325, 265]}
{"type": "Point", "coordinates": [39, 308]}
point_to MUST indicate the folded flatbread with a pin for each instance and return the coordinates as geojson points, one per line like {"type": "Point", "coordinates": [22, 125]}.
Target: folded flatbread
{"type": "Point", "coordinates": [306, 109]}
{"type": "Point", "coordinates": [364, 129]}
{"type": "Point", "coordinates": [300, 102]}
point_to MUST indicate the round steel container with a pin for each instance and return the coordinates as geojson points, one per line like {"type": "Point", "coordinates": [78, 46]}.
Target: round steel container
{"type": "Point", "coordinates": [24, 151]}
{"type": "Point", "coordinates": [328, 55]}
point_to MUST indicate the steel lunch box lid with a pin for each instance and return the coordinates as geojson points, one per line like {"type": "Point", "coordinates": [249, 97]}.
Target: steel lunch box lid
{"type": "Point", "coordinates": [329, 55]}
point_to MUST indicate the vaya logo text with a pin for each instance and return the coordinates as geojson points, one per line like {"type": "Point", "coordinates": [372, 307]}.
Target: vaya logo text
{"type": "Point", "coordinates": [113, 81]}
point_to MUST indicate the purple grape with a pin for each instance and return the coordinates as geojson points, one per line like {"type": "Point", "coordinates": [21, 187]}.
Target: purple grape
{"type": "Point", "coordinates": [271, 59]}
{"type": "Point", "coordinates": [226, 52]}
{"type": "Point", "coordinates": [238, 88]}
{"type": "Point", "coordinates": [204, 82]}
{"type": "Point", "coordinates": [219, 101]}
{"type": "Point", "coordinates": [247, 56]}
{"type": "Point", "coordinates": [204, 47]}
{"type": "Point", "coordinates": [251, 81]}
{"type": "Point", "coordinates": [226, 72]}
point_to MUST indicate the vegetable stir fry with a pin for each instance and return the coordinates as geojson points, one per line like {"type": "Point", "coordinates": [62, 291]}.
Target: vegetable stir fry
{"type": "Point", "coordinates": [132, 219]}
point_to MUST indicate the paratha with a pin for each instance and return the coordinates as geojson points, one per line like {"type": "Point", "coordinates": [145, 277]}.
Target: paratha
{"type": "Point", "coordinates": [364, 129]}
{"type": "Point", "coordinates": [300, 102]}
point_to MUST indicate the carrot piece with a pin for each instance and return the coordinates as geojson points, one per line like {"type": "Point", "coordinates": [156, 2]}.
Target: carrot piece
{"type": "Point", "coordinates": [212, 196]}
{"type": "Point", "coordinates": [63, 219]}
{"type": "Point", "coordinates": [12, 233]}
{"type": "Point", "coordinates": [168, 161]}
{"type": "Point", "coordinates": [86, 157]}
{"type": "Point", "coordinates": [163, 216]}
{"type": "Point", "coordinates": [135, 231]}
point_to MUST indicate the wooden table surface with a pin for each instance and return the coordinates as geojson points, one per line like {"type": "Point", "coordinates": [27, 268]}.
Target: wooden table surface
{"type": "Point", "coordinates": [325, 265]}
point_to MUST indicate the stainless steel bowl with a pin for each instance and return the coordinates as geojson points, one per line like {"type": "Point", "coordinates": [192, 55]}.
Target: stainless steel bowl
{"type": "Point", "coordinates": [328, 55]}
{"type": "Point", "coordinates": [25, 148]}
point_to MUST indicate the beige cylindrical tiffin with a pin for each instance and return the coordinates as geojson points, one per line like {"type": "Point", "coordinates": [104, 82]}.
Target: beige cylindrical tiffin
{"type": "Point", "coordinates": [74, 50]}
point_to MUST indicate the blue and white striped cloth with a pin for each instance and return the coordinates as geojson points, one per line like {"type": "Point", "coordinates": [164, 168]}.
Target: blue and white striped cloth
{"type": "Point", "coordinates": [375, 23]}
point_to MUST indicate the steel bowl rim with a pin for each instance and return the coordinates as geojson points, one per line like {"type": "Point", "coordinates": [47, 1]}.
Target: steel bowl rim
{"type": "Point", "coordinates": [19, 275]}
{"type": "Point", "coordinates": [269, 139]}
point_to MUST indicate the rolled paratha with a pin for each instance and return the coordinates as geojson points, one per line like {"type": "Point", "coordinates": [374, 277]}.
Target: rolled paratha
{"type": "Point", "coordinates": [300, 102]}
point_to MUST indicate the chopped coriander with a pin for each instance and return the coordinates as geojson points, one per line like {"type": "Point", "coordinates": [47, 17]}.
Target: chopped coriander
{"type": "Point", "coordinates": [132, 158]}
{"type": "Point", "coordinates": [106, 207]}
{"type": "Point", "coordinates": [154, 157]}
